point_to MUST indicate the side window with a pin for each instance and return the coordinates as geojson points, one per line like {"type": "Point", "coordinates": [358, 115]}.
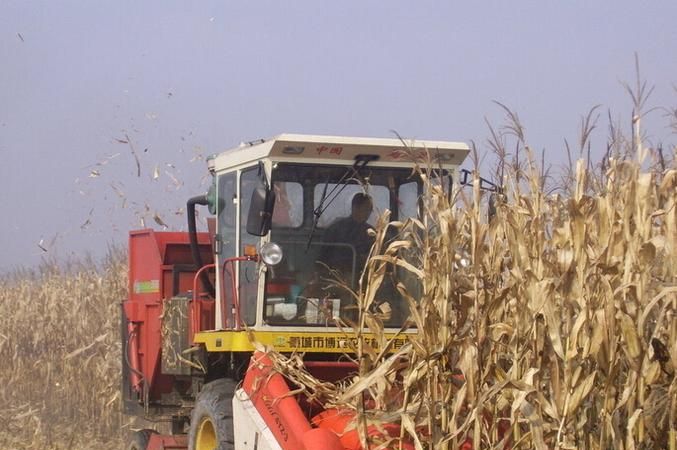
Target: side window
{"type": "Point", "coordinates": [288, 210]}
{"type": "Point", "coordinates": [407, 199]}
{"type": "Point", "coordinates": [249, 275]}
{"type": "Point", "coordinates": [225, 199]}
{"type": "Point", "coordinates": [408, 194]}
{"type": "Point", "coordinates": [443, 180]}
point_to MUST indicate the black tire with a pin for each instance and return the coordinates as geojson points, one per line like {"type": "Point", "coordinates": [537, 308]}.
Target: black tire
{"type": "Point", "coordinates": [139, 439]}
{"type": "Point", "coordinates": [211, 422]}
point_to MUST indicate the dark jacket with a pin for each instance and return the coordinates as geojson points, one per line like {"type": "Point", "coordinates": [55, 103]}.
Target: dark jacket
{"type": "Point", "coordinates": [347, 231]}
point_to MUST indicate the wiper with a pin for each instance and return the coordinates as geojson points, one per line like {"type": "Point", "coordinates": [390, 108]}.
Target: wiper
{"type": "Point", "coordinates": [317, 212]}
{"type": "Point", "coordinates": [360, 162]}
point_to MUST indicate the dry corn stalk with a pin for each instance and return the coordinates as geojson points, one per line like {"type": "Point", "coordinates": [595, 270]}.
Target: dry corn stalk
{"type": "Point", "coordinates": [60, 347]}
{"type": "Point", "coordinates": [550, 325]}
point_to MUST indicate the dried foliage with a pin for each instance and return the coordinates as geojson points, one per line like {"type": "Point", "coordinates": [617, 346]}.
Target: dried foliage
{"type": "Point", "coordinates": [60, 353]}
{"type": "Point", "coordinates": [560, 333]}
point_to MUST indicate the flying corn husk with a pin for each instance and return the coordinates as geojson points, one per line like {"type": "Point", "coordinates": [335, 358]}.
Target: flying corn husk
{"type": "Point", "coordinates": [159, 221]}
{"type": "Point", "coordinates": [175, 181]}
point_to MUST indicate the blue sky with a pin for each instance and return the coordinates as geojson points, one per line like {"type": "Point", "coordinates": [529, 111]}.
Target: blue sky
{"type": "Point", "coordinates": [187, 79]}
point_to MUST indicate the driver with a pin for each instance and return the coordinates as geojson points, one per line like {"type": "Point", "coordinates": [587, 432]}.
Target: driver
{"type": "Point", "coordinates": [353, 230]}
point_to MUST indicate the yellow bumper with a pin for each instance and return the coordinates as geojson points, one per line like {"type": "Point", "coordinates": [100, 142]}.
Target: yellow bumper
{"type": "Point", "coordinates": [287, 341]}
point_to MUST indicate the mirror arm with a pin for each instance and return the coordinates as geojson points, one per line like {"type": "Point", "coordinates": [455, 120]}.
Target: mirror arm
{"type": "Point", "coordinates": [485, 184]}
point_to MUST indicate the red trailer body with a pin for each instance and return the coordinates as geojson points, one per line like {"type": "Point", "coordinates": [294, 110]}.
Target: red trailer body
{"type": "Point", "coordinates": [160, 267]}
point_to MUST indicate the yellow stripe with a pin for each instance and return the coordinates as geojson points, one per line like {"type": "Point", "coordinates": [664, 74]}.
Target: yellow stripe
{"type": "Point", "coordinates": [287, 341]}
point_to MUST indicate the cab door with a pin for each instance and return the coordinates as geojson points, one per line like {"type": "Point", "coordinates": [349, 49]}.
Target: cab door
{"type": "Point", "coordinates": [248, 272]}
{"type": "Point", "coordinates": [226, 240]}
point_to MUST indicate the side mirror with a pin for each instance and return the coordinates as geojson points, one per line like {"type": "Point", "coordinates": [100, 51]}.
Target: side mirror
{"type": "Point", "coordinates": [260, 213]}
{"type": "Point", "coordinates": [211, 199]}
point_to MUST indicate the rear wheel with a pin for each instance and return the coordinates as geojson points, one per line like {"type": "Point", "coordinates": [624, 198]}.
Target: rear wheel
{"type": "Point", "coordinates": [211, 423]}
{"type": "Point", "coordinates": [139, 439]}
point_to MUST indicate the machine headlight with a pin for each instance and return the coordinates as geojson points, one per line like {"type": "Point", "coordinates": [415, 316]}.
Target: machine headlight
{"type": "Point", "coordinates": [271, 253]}
{"type": "Point", "coordinates": [462, 259]}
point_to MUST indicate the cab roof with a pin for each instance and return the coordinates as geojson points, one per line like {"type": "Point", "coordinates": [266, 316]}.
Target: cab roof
{"type": "Point", "coordinates": [343, 150]}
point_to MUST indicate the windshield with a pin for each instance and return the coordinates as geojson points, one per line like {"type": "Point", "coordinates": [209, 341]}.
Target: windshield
{"type": "Point", "coordinates": [323, 219]}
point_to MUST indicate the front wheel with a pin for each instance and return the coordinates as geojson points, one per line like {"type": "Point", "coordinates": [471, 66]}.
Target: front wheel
{"type": "Point", "coordinates": [211, 422]}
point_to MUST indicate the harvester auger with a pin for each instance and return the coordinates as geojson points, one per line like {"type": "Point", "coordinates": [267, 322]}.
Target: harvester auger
{"type": "Point", "coordinates": [283, 211]}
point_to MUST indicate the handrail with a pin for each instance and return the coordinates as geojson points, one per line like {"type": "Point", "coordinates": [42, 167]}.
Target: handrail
{"type": "Point", "coordinates": [195, 309]}
{"type": "Point", "coordinates": [234, 291]}
{"type": "Point", "coordinates": [197, 274]}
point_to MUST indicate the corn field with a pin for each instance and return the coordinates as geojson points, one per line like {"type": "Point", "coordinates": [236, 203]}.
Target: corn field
{"type": "Point", "coordinates": [60, 353]}
{"type": "Point", "coordinates": [549, 325]}
{"type": "Point", "coordinates": [557, 332]}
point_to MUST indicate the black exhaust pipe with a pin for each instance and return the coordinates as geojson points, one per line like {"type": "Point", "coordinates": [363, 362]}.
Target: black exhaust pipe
{"type": "Point", "coordinates": [194, 248]}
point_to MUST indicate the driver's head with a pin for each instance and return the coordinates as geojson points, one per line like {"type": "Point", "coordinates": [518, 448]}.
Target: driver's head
{"type": "Point", "coordinates": [362, 206]}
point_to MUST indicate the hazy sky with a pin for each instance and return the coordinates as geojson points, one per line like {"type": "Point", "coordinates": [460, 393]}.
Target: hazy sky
{"type": "Point", "coordinates": [187, 79]}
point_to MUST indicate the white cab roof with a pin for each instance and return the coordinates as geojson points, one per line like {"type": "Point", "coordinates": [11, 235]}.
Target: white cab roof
{"type": "Point", "coordinates": [343, 150]}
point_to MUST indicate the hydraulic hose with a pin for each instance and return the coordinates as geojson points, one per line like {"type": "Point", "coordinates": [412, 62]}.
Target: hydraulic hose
{"type": "Point", "coordinates": [194, 248]}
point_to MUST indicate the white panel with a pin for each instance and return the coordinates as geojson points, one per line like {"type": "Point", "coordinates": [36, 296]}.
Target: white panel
{"type": "Point", "coordinates": [341, 150]}
{"type": "Point", "coordinates": [250, 430]}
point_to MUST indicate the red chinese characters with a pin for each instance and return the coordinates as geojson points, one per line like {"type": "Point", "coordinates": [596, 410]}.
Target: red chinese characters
{"type": "Point", "coordinates": [329, 150]}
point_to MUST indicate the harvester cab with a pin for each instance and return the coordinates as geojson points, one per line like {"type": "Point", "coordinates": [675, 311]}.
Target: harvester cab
{"type": "Point", "coordinates": [290, 229]}
{"type": "Point", "coordinates": [278, 243]}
